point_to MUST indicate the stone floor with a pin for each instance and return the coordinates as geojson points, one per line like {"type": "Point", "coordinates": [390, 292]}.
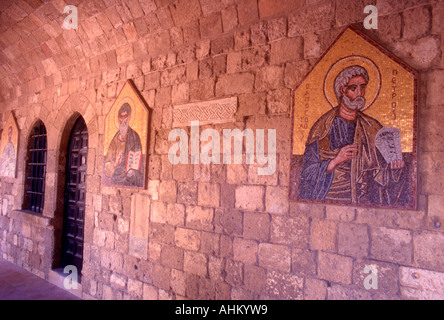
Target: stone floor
{"type": "Point", "coordinates": [18, 284]}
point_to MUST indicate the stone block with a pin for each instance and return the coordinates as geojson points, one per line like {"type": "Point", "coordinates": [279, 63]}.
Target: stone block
{"type": "Point", "coordinates": [269, 78]}
{"type": "Point", "coordinates": [311, 18]}
{"type": "Point", "coordinates": [187, 193]}
{"type": "Point", "coordinates": [412, 220]}
{"type": "Point", "coordinates": [435, 87]}
{"type": "Point", "coordinates": [195, 263]}
{"type": "Point", "coordinates": [274, 257]}
{"type": "Point", "coordinates": [250, 198]}
{"type": "Point", "coordinates": [255, 278]}
{"type": "Point", "coordinates": [227, 196]}
{"type": "Point", "coordinates": [202, 90]}
{"type": "Point", "coordinates": [211, 25]}
{"type": "Point", "coordinates": [421, 284]}
{"type": "Point", "coordinates": [292, 231]}
{"type": "Point", "coordinates": [392, 245]}
{"type": "Point", "coordinates": [175, 214]}
{"type": "Point", "coordinates": [210, 243]}
{"type": "Point", "coordinates": [158, 212]}
{"type": "Point", "coordinates": [284, 286]}
{"type": "Point", "coordinates": [268, 8]}
{"type": "Point", "coordinates": [187, 239]}
{"type": "Point", "coordinates": [295, 72]}
{"type": "Point", "coordinates": [287, 50]}
{"type": "Point", "coordinates": [256, 226]}
{"type": "Point", "coordinates": [276, 200]}
{"type": "Point", "coordinates": [161, 277]}
{"type": "Point", "coordinates": [124, 53]}
{"type": "Point", "coordinates": [245, 251]}
{"type": "Point", "coordinates": [172, 257]}
{"type": "Point", "coordinates": [139, 226]}
{"type": "Point", "coordinates": [162, 233]}
{"type": "Point", "coordinates": [258, 33]}
{"type": "Point", "coordinates": [234, 84]}
{"type": "Point", "coordinates": [216, 268]}
{"type": "Point", "coordinates": [168, 191]}
{"type": "Point", "coordinates": [199, 218]}
{"type": "Point", "coordinates": [247, 11]}
{"type": "Point", "coordinates": [385, 274]}
{"type": "Point", "coordinates": [417, 22]}
{"type": "Point", "coordinates": [323, 235]}
{"type": "Point", "coordinates": [335, 268]}
{"type": "Point", "coordinates": [427, 250]}
{"type": "Point", "coordinates": [344, 213]}
{"type": "Point", "coordinates": [234, 272]}
{"type": "Point", "coordinates": [251, 104]}
{"type": "Point", "coordinates": [436, 208]}
{"type": "Point", "coordinates": [303, 262]}
{"type": "Point", "coordinates": [178, 284]}
{"type": "Point", "coordinates": [229, 221]}
{"type": "Point", "coordinates": [279, 101]}
{"type": "Point", "coordinates": [315, 289]}
{"type": "Point", "coordinates": [353, 240]}
{"type": "Point", "coordinates": [184, 11]}
{"type": "Point", "coordinates": [338, 292]}
{"type": "Point", "coordinates": [208, 194]}
{"type": "Point", "coordinates": [229, 18]}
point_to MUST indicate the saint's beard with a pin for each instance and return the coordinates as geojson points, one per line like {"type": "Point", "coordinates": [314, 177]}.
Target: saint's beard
{"type": "Point", "coordinates": [356, 104]}
{"type": "Point", "coordinates": [123, 128]}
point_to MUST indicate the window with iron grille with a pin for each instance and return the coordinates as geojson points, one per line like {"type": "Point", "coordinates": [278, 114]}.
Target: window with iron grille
{"type": "Point", "coordinates": [36, 169]}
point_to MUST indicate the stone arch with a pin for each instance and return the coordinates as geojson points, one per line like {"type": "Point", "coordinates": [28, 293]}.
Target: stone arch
{"type": "Point", "coordinates": [25, 146]}
{"type": "Point", "coordinates": [74, 107]}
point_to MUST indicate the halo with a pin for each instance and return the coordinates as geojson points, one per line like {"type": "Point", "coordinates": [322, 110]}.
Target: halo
{"type": "Point", "coordinates": [133, 111]}
{"type": "Point", "coordinates": [373, 87]}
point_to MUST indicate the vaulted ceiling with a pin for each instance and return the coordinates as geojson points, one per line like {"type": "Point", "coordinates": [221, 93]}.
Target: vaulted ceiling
{"type": "Point", "coordinates": [35, 49]}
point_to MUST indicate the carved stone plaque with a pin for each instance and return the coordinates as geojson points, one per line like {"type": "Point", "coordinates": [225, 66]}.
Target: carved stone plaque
{"type": "Point", "coordinates": [215, 111]}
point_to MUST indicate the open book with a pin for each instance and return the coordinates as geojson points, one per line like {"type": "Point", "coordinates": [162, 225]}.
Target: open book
{"type": "Point", "coordinates": [133, 160]}
{"type": "Point", "coordinates": [388, 141]}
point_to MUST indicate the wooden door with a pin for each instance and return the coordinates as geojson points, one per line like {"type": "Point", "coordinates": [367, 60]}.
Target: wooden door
{"type": "Point", "coordinates": [75, 192]}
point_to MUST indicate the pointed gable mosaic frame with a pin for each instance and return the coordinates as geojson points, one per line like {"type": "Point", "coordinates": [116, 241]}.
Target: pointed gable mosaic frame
{"type": "Point", "coordinates": [380, 167]}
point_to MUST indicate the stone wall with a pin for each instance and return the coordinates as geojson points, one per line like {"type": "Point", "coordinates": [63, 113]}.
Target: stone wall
{"type": "Point", "coordinates": [215, 231]}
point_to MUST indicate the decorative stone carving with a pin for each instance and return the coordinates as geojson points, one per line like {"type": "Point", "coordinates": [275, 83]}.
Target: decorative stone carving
{"type": "Point", "coordinates": [215, 111]}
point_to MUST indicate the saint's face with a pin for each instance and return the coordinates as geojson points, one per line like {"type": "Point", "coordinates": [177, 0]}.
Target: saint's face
{"type": "Point", "coordinates": [355, 88]}
{"type": "Point", "coordinates": [353, 93]}
{"type": "Point", "coordinates": [123, 124]}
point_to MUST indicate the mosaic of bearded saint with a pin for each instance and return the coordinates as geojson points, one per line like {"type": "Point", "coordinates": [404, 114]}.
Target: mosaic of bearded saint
{"type": "Point", "coordinates": [123, 161]}
{"type": "Point", "coordinates": [341, 161]}
{"type": "Point", "coordinates": [8, 161]}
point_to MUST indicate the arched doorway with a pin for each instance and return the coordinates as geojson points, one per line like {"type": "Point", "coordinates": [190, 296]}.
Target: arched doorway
{"type": "Point", "coordinates": [75, 194]}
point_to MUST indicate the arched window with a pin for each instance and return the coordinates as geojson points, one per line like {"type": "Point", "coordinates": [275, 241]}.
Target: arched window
{"type": "Point", "coordinates": [36, 169]}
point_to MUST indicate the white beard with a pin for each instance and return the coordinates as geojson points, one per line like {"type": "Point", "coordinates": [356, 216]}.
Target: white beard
{"type": "Point", "coordinates": [356, 104]}
{"type": "Point", "coordinates": [123, 129]}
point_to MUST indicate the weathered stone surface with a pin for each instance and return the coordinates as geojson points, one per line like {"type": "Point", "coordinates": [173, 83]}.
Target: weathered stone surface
{"type": "Point", "coordinates": [426, 250]}
{"type": "Point", "coordinates": [187, 239]}
{"type": "Point", "coordinates": [284, 286]}
{"type": "Point", "coordinates": [276, 200]}
{"type": "Point", "coordinates": [245, 251]}
{"type": "Point", "coordinates": [195, 263]}
{"type": "Point", "coordinates": [274, 257]}
{"type": "Point", "coordinates": [392, 245]}
{"type": "Point", "coordinates": [335, 268]}
{"type": "Point", "coordinates": [353, 240]}
{"type": "Point", "coordinates": [385, 275]}
{"type": "Point", "coordinates": [292, 231]}
{"type": "Point", "coordinates": [323, 235]}
{"type": "Point", "coordinates": [250, 198]}
{"type": "Point", "coordinates": [421, 284]}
